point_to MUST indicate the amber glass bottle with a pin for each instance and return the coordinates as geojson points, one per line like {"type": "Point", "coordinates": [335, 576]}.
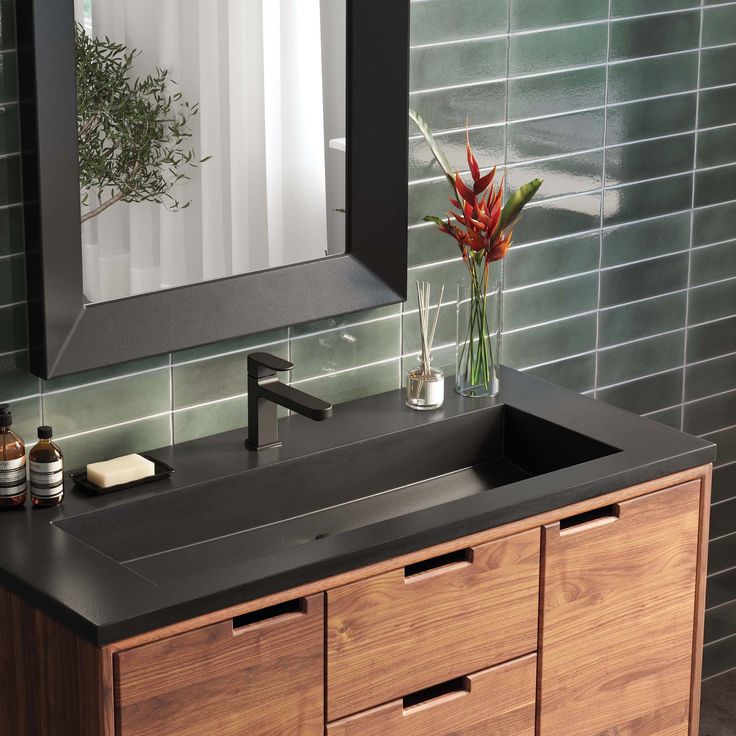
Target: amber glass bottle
{"type": "Point", "coordinates": [12, 463]}
{"type": "Point", "coordinates": [46, 470]}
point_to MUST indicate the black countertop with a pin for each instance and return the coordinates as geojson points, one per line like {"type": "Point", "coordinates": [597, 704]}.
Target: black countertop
{"type": "Point", "coordinates": [105, 600]}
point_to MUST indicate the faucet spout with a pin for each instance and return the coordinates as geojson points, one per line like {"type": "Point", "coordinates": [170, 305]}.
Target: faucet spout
{"type": "Point", "coordinates": [266, 393]}
{"type": "Point", "coordinates": [296, 400]}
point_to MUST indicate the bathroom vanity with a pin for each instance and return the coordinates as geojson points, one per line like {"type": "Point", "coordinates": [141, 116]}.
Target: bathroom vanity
{"type": "Point", "coordinates": [532, 564]}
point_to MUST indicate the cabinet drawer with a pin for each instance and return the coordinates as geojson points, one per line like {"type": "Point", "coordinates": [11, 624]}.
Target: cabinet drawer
{"type": "Point", "coordinates": [500, 700]}
{"type": "Point", "coordinates": [618, 618]}
{"type": "Point", "coordinates": [260, 674]}
{"type": "Point", "coordinates": [410, 628]}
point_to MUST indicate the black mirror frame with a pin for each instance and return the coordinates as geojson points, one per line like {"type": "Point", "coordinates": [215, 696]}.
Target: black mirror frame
{"type": "Point", "coordinates": [66, 336]}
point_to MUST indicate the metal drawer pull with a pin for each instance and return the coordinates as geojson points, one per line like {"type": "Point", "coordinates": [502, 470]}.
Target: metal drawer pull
{"type": "Point", "coordinates": [298, 605]}
{"type": "Point", "coordinates": [435, 563]}
{"type": "Point", "coordinates": [458, 686]}
{"type": "Point", "coordinates": [590, 519]}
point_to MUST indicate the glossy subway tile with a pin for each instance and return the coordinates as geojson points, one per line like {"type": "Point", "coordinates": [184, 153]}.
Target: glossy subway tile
{"type": "Point", "coordinates": [718, 66]}
{"type": "Point", "coordinates": [717, 107]}
{"type": "Point", "coordinates": [654, 35]}
{"type": "Point", "coordinates": [98, 405]}
{"type": "Point", "coordinates": [651, 118]}
{"type": "Point", "coordinates": [723, 521]}
{"type": "Point", "coordinates": [550, 301]}
{"type": "Point", "coordinates": [532, 14]}
{"type": "Point", "coordinates": [653, 77]}
{"type": "Point", "coordinates": [620, 8]}
{"type": "Point", "coordinates": [10, 180]}
{"type": "Point", "coordinates": [717, 147]}
{"type": "Point", "coordinates": [556, 93]}
{"type": "Point", "coordinates": [7, 24]}
{"type": "Point", "coordinates": [577, 373]}
{"type": "Point", "coordinates": [447, 109]}
{"type": "Point", "coordinates": [488, 144]}
{"type": "Point", "coordinates": [719, 25]}
{"type": "Point", "coordinates": [434, 21]}
{"type": "Point", "coordinates": [11, 230]}
{"type": "Point", "coordinates": [646, 395]}
{"type": "Point", "coordinates": [637, 359]}
{"type": "Point", "coordinates": [724, 483]}
{"type": "Point", "coordinates": [712, 302]}
{"type": "Point", "coordinates": [646, 239]}
{"type": "Point", "coordinates": [642, 200]}
{"type": "Point", "coordinates": [720, 623]}
{"type": "Point", "coordinates": [714, 224]}
{"type": "Point", "coordinates": [642, 319]}
{"type": "Point", "coordinates": [559, 48]}
{"type": "Point", "coordinates": [649, 159]}
{"type": "Point", "coordinates": [8, 76]}
{"type": "Point", "coordinates": [645, 279]}
{"type": "Point", "coordinates": [713, 376]}
{"type": "Point", "coordinates": [715, 185]}
{"type": "Point", "coordinates": [445, 65]}
{"type": "Point", "coordinates": [555, 136]}
{"type": "Point", "coordinates": [710, 415]}
{"type": "Point", "coordinates": [552, 260]}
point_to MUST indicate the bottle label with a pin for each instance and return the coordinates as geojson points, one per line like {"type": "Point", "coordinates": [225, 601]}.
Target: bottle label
{"type": "Point", "coordinates": [47, 479]}
{"type": "Point", "coordinates": [12, 477]}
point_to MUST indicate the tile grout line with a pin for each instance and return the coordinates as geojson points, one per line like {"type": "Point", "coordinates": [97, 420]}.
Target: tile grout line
{"type": "Point", "coordinates": [503, 265]}
{"type": "Point", "coordinates": [692, 219]}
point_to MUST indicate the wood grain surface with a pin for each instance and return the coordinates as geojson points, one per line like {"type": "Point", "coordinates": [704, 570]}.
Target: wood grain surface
{"type": "Point", "coordinates": [618, 618]}
{"type": "Point", "coordinates": [52, 683]}
{"type": "Point", "coordinates": [391, 634]}
{"type": "Point", "coordinates": [265, 679]}
{"type": "Point", "coordinates": [498, 701]}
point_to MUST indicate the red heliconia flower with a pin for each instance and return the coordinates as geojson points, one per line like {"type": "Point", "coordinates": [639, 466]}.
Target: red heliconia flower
{"type": "Point", "coordinates": [478, 221]}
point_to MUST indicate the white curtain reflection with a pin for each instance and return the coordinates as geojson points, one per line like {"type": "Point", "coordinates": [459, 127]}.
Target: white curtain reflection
{"type": "Point", "coordinates": [255, 67]}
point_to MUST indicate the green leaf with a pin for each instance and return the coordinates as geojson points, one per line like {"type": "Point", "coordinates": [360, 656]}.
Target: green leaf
{"type": "Point", "coordinates": [436, 220]}
{"type": "Point", "coordinates": [439, 157]}
{"type": "Point", "coordinates": [516, 203]}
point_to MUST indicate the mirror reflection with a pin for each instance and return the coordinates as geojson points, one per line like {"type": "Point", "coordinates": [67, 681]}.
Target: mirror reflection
{"type": "Point", "coordinates": [211, 138]}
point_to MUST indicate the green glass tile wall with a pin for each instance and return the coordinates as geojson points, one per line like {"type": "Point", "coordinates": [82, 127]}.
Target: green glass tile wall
{"type": "Point", "coordinates": [622, 282]}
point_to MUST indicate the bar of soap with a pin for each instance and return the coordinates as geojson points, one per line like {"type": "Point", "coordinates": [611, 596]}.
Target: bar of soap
{"type": "Point", "coordinates": [124, 469]}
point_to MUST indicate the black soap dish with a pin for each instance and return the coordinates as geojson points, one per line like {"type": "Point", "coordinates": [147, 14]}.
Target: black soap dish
{"type": "Point", "coordinates": [162, 471]}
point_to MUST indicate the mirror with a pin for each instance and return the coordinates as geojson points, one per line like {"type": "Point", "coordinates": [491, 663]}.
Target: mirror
{"type": "Point", "coordinates": [225, 123]}
{"type": "Point", "coordinates": [212, 139]}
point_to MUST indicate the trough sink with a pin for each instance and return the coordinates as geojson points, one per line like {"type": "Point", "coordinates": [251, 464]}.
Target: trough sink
{"type": "Point", "coordinates": [298, 501]}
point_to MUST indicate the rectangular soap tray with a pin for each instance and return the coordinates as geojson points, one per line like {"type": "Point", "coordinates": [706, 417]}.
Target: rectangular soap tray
{"type": "Point", "coordinates": [162, 471]}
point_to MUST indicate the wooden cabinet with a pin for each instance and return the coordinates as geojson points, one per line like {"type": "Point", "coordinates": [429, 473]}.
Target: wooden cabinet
{"type": "Point", "coordinates": [500, 700]}
{"type": "Point", "coordinates": [258, 676]}
{"type": "Point", "coordinates": [415, 626]}
{"type": "Point", "coordinates": [618, 618]}
{"type": "Point", "coordinates": [582, 621]}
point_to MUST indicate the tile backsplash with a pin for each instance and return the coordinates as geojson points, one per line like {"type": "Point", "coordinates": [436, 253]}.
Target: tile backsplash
{"type": "Point", "coordinates": [621, 283]}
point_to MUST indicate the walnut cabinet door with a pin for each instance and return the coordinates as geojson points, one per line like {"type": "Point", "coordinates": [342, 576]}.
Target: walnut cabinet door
{"type": "Point", "coordinates": [260, 674]}
{"type": "Point", "coordinates": [618, 618]}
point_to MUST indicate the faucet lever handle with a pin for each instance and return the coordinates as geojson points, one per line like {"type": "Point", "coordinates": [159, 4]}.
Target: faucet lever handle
{"type": "Point", "coordinates": [265, 365]}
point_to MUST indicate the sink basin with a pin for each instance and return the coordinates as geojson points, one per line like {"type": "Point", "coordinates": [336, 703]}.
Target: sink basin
{"type": "Point", "coordinates": [298, 501]}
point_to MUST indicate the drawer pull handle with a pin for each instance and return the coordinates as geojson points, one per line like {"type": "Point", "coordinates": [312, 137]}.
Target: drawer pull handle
{"type": "Point", "coordinates": [458, 686]}
{"type": "Point", "coordinates": [590, 519]}
{"type": "Point", "coordinates": [461, 556]}
{"type": "Point", "coordinates": [278, 611]}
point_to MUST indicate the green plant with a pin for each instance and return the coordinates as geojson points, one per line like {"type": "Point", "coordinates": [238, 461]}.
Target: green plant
{"type": "Point", "coordinates": [133, 133]}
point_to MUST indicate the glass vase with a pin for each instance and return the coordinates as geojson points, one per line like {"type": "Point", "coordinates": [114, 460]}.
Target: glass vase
{"type": "Point", "coordinates": [479, 311]}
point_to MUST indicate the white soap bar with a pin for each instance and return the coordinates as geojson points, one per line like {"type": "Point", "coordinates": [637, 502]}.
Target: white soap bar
{"type": "Point", "coordinates": [120, 470]}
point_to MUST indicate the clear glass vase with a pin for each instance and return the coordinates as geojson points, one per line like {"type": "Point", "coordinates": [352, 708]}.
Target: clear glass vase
{"type": "Point", "coordinates": [479, 311]}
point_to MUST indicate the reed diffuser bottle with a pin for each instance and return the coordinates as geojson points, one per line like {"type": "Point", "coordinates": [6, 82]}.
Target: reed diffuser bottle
{"type": "Point", "coordinates": [12, 463]}
{"type": "Point", "coordinates": [425, 385]}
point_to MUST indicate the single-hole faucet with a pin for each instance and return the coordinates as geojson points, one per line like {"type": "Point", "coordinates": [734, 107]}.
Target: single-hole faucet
{"type": "Point", "coordinates": [266, 392]}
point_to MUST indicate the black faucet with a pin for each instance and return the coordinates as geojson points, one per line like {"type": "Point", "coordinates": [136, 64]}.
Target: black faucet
{"type": "Point", "coordinates": [265, 391]}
